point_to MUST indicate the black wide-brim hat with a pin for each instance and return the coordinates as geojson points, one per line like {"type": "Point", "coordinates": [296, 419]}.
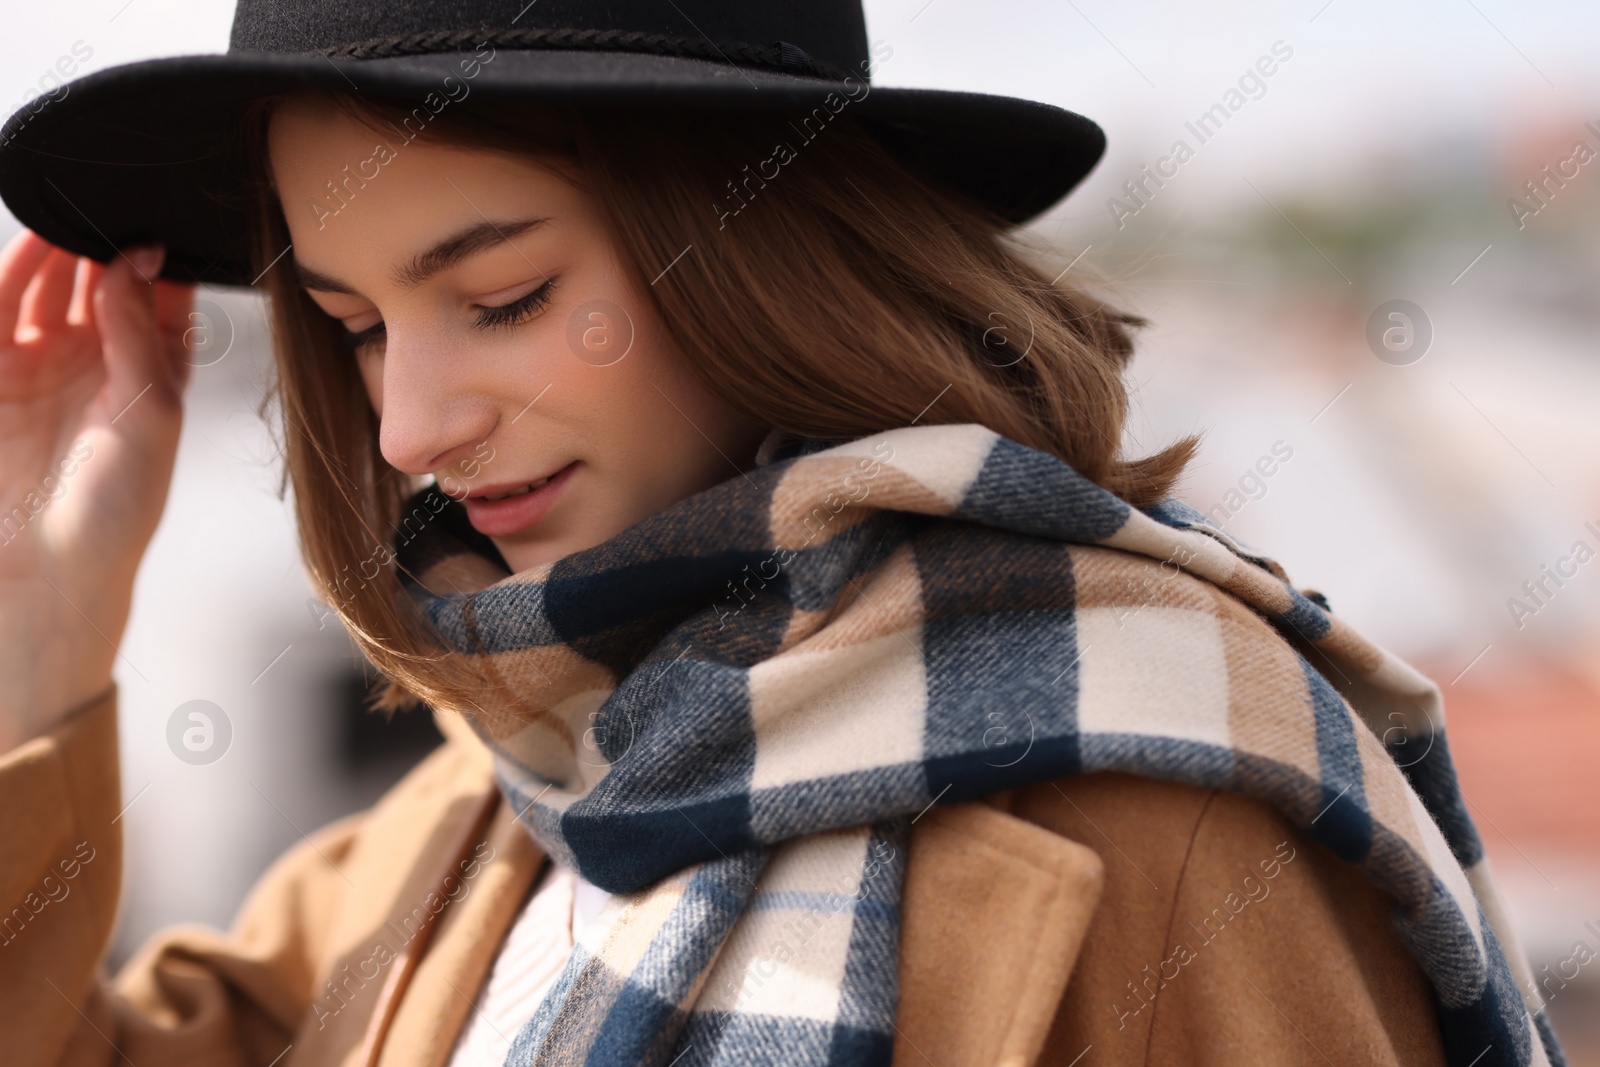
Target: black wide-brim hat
{"type": "Point", "coordinates": [140, 152]}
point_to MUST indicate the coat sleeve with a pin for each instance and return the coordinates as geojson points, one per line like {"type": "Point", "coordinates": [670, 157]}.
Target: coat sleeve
{"type": "Point", "coordinates": [190, 995]}
{"type": "Point", "coordinates": [1225, 936]}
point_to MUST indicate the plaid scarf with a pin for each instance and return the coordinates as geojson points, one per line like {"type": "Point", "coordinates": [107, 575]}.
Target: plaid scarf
{"type": "Point", "coordinates": [729, 713]}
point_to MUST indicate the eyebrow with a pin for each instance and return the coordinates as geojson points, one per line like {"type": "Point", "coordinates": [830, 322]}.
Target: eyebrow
{"type": "Point", "coordinates": [442, 256]}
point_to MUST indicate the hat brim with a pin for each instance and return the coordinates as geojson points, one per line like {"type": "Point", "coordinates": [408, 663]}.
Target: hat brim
{"type": "Point", "coordinates": [138, 152]}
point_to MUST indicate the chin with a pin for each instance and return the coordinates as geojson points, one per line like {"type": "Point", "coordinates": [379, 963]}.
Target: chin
{"type": "Point", "coordinates": [523, 557]}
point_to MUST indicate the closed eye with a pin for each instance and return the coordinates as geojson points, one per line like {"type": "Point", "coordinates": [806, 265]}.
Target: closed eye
{"type": "Point", "coordinates": [361, 338]}
{"type": "Point", "coordinates": [514, 313]}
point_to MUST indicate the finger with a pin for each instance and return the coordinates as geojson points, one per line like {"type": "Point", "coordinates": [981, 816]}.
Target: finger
{"type": "Point", "coordinates": [88, 278]}
{"type": "Point", "coordinates": [20, 258]}
{"type": "Point", "coordinates": [175, 319]}
{"type": "Point", "coordinates": [125, 312]}
{"type": "Point", "coordinates": [45, 302]}
{"type": "Point", "coordinates": [174, 301]}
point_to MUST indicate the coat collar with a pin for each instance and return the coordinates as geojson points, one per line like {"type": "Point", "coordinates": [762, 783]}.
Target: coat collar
{"type": "Point", "coordinates": [993, 913]}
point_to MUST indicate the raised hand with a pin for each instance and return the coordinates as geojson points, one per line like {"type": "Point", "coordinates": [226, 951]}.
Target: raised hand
{"type": "Point", "coordinates": [92, 373]}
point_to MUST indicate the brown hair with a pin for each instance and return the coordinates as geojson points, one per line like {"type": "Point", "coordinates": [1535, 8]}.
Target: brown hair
{"type": "Point", "coordinates": [881, 300]}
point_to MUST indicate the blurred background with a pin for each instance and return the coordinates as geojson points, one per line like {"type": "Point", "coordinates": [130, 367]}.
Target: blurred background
{"type": "Point", "coordinates": [1434, 474]}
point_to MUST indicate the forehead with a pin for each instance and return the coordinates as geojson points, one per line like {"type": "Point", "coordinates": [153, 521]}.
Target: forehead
{"type": "Point", "coordinates": [358, 197]}
{"type": "Point", "coordinates": [316, 143]}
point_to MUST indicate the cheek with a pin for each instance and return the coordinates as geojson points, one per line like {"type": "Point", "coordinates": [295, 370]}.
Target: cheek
{"type": "Point", "coordinates": [675, 433]}
{"type": "Point", "coordinates": [655, 385]}
{"type": "Point", "coordinates": [647, 415]}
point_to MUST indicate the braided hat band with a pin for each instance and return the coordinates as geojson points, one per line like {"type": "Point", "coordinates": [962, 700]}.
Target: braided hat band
{"type": "Point", "coordinates": [780, 56]}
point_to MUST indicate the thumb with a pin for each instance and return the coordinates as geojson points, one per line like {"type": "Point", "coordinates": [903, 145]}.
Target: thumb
{"type": "Point", "coordinates": [130, 338]}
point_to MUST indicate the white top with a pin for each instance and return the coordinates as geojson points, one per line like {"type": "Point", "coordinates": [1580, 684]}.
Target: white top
{"type": "Point", "coordinates": [535, 949]}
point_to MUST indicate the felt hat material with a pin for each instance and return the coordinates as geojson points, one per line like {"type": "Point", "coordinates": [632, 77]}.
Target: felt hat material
{"type": "Point", "coordinates": [141, 152]}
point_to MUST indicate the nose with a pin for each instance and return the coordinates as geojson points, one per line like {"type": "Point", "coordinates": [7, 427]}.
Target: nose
{"type": "Point", "coordinates": [429, 415]}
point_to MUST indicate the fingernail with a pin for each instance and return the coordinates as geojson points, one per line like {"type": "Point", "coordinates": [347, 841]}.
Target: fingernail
{"type": "Point", "coordinates": [147, 260]}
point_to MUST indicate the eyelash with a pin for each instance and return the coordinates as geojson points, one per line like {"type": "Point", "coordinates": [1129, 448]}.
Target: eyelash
{"type": "Point", "coordinates": [515, 313]}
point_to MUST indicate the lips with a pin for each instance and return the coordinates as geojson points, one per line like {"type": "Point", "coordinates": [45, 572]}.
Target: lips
{"type": "Point", "coordinates": [503, 490]}
{"type": "Point", "coordinates": [503, 510]}
{"type": "Point", "coordinates": [516, 492]}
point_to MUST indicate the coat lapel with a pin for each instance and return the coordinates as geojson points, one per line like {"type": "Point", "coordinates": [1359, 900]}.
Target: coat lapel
{"type": "Point", "coordinates": [993, 913]}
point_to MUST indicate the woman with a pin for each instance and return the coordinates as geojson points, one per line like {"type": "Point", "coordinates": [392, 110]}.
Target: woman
{"type": "Point", "coordinates": [821, 684]}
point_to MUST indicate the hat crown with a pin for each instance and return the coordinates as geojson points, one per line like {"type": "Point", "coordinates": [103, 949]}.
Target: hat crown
{"type": "Point", "coordinates": [831, 32]}
{"type": "Point", "coordinates": [148, 151]}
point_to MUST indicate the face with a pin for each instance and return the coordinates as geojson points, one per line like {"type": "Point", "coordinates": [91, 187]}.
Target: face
{"type": "Point", "coordinates": [499, 336]}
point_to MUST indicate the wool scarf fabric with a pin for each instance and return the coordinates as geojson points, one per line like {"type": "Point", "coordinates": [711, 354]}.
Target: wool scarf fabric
{"type": "Point", "coordinates": [730, 712]}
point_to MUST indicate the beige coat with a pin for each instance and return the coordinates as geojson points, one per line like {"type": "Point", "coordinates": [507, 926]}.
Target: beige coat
{"type": "Point", "coordinates": [1101, 919]}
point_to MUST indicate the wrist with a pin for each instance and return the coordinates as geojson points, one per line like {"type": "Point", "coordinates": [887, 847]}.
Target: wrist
{"type": "Point", "coordinates": [56, 659]}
